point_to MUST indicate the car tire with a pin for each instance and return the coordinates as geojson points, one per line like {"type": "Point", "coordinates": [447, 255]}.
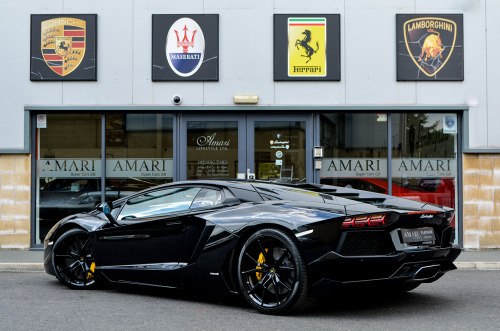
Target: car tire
{"type": "Point", "coordinates": [272, 273]}
{"type": "Point", "coordinates": [73, 259]}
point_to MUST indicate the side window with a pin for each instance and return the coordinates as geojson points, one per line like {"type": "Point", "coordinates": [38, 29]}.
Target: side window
{"type": "Point", "coordinates": [206, 198]}
{"type": "Point", "coordinates": [158, 203]}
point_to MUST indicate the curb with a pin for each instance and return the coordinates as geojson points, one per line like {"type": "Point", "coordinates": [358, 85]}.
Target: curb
{"type": "Point", "coordinates": [21, 267]}
{"type": "Point", "coordinates": [27, 267]}
{"type": "Point", "coordinates": [478, 265]}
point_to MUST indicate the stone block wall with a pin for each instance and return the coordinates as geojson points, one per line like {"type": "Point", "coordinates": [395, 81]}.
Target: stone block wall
{"type": "Point", "coordinates": [15, 188]}
{"type": "Point", "coordinates": [481, 195]}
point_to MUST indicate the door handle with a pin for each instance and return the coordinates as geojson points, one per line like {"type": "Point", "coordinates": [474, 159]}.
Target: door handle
{"type": "Point", "coordinates": [173, 223]}
{"type": "Point", "coordinates": [124, 237]}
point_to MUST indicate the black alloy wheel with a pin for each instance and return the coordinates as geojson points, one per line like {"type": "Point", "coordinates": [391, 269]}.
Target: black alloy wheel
{"type": "Point", "coordinates": [272, 274]}
{"type": "Point", "coordinates": [73, 259]}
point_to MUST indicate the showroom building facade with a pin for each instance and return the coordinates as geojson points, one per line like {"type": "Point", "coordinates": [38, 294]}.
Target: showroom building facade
{"type": "Point", "coordinates": [391, 99]}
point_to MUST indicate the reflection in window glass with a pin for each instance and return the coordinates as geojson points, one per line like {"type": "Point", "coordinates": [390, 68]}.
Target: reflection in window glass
{"type": "Point", "coordinates": [355, 151]}
{"type": "Point", "coordinates": [68, 168]}
{"type": "Point", "coordinates": [207, 198]}
{"type": "Point", "coordinates": [280, 150]}
{"type": "Point", "coordinates": [424, 164]}
{"type": "Point", "coordinates": [139, 152]}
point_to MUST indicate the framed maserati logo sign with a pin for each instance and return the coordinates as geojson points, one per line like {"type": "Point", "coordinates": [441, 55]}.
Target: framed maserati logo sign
{"type": "Point", "coordinates": [63, 47]}
{"type": "Point", "coordinates": [185, 48]}
{"type": "Point", "coordinates": [430, 47]}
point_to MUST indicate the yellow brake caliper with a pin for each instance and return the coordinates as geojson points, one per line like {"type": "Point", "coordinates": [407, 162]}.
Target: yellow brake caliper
{"type": "Point", "coordinates": [261, 260]}
{"type": "Point", "coordinates": [92, 269]}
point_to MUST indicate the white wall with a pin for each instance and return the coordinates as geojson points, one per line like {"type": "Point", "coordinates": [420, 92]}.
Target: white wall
{"type": "Point", "coordinates": [368, 59]}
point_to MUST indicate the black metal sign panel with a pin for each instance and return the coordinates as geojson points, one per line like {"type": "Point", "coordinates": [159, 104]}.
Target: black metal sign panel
{"type": "Point", "coordinates": [430, 47]}
{"type": "Point", "coordinates": [185, 48]}
{"type": "Point", "coordinates": [307, 47]}
{"type": "Point", "coordinates": [63, 47]}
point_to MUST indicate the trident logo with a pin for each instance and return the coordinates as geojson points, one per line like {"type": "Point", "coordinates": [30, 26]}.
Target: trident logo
{"type": "Point", "coordinates": [185, 43]}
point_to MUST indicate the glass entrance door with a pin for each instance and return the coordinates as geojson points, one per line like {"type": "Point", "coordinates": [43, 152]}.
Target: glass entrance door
{"type": "Point", "coordinates": [258, 147]}
{"type": "Point", "coordinates": [212, 147]}
{"type": "Point", "coordinates": [280, 147]}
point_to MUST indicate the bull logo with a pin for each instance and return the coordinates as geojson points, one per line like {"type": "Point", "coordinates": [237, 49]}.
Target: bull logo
{"type": "Point", "coordinates": [63, 44]}
{"type": "Point", "coordinates": [430, 42]}
{"type": "Point", "coordinates": [432, 46]}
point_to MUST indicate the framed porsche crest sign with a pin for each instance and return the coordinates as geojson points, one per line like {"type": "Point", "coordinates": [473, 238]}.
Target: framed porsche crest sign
{"type": "Point", "coordinates": [306, 47]}
{"type": "Point", "coordinates": [63, 47]}
{"type": "Point", "coordinates": [185, 47]}
{"type": "Point", "coordinates": [430, 47]}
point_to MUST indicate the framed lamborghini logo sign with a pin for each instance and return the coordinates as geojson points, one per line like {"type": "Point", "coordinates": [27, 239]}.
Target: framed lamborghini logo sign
{"type": "Point", "coordinates": [430, 47]}
{"type": "Point", "coordinates": [63, 47]}
{"type": "Point", "coordinates": [307, 47]}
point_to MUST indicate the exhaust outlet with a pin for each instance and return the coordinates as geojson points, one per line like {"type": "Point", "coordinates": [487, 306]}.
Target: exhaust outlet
{"type": "Point", "coordinates": [427, 272]}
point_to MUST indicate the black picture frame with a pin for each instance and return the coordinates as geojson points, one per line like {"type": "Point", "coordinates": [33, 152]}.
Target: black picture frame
{"type": "Point", "coordinates": [47, 63]}
{"type": "Point", "coordinates": [281, 48]}
{"type": "Point", "coordinates": [430, 47]}
{"type": "Point", "coordinates": [162, 70]}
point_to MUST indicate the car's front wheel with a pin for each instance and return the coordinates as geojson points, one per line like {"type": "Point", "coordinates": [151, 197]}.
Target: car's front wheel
{"type": "Point", "coordinates": [272, 273]}
{"type": "Point", "coordinates": [73, 259]}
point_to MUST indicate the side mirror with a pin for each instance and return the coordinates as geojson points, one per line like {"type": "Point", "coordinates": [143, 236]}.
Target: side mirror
{"type": "Point", "coordinates": [106, 208]}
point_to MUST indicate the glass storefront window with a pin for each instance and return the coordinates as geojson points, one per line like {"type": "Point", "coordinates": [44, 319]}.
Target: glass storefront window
{"type": "Point", "coordinates": [68, 172]}
{"type": "Point", "coordinates": [280, 150]}
{"type": "Point", "coordinates": [355, 151]}
{"type": "Point", "coordinates": [424, 154]}
{"type": "Point", "coordinates": [424, 158]}
{"type": "Point", "coordinates": [139, 152]}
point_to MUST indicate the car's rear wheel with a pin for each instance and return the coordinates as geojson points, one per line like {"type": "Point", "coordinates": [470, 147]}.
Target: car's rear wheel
{"type": "Point", "coordinates": [73, 259]}
{"type": "Point", "coordinates": [272, 273]}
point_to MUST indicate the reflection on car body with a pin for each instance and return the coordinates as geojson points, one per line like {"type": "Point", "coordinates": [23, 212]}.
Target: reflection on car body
{"type": "Point", "coordinates": [65, 196]}
{"type": "Point", "coordinates": [279, 246]}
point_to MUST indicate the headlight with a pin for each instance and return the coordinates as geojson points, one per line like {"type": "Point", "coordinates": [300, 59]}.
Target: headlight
{"type": "Point", "coordinates": [86, 200]}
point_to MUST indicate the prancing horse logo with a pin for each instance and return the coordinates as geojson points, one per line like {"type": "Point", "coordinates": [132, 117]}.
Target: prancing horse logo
{"type": "Point", "coordinates": [304, 43]}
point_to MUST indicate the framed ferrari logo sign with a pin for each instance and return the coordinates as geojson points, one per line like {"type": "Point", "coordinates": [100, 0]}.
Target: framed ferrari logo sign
{"type": "Point", "coordinates": [63, 47]}
{"type": "Point", "coordinates": [306, 58]}
{"type": "Point", "coordinates": [430, 47]}
{"type": "Point", "coordinates": [307, 47]}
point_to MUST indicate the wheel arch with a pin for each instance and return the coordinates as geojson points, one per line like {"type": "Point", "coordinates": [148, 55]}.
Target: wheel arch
{"type": "Point", "coordinates": [65, 228]}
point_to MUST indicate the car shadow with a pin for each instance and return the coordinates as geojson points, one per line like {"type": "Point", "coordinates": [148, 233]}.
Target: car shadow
{"type": "Point", "coordinates": [364, 303]}
{"type": "Point", "coordinates": [354, 303]}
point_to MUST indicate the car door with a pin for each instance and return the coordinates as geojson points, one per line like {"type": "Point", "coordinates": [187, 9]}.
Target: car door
{"type": "Point", "coordinates": [148, 241]}
{"type": "Point", "coordinates": [198, 230]}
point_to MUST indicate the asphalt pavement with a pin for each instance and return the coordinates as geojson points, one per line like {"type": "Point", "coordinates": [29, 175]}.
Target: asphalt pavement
{"type": "Point", "coordinates": [461, 300]}
{"type": "Point", "coordinates": [32, 260]}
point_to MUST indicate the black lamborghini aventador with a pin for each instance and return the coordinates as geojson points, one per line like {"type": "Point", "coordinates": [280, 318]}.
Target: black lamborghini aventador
{"type": "Point", "coordinates": [278, 245]}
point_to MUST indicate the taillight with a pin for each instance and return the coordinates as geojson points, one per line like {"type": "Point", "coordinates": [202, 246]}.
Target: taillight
{"type": "Point", "coordinates": [364, 221]}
